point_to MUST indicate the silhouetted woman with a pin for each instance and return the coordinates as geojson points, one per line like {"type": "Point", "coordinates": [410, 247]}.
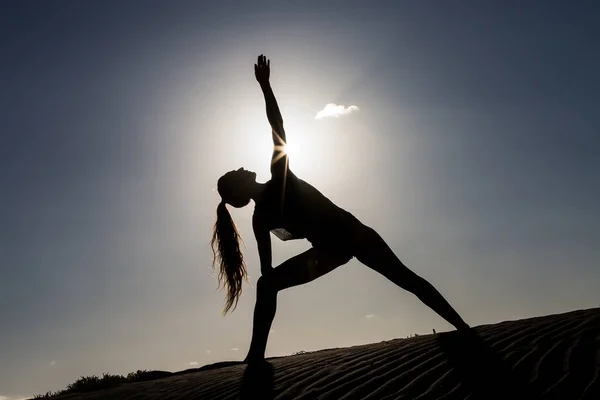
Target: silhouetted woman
{"type": "Point", "coordinates": [290, 208]}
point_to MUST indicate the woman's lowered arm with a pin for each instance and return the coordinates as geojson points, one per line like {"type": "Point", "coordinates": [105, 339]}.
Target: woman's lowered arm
{"type": "Point", "coordinates": [263, 241]}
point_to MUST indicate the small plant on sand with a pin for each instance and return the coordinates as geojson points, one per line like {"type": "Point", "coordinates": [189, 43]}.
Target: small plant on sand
{"type": "Point", "coordinates": [93, 383]}
{"type": "Point", "coordinates": [47, 395]}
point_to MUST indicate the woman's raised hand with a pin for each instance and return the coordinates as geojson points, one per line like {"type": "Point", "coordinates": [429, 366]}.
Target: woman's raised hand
{"type": "Point", "coordinates": [262, 69]}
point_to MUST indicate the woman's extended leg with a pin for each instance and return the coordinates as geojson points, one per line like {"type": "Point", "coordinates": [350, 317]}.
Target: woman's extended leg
{"type": "Point", "coordinates": [373, 251]}
{"type": "Point", "coordinates": [298, 270]}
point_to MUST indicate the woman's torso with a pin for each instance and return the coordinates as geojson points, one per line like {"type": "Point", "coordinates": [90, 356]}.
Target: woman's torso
{"type": "Point", "coordinates": [294, 209]}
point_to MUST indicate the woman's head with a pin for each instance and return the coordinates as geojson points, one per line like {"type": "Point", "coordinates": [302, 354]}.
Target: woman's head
{"type": "Point", "coordinates": [235, 187]}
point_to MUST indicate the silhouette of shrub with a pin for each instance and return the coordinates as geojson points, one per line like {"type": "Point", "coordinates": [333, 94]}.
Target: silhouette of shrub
{"type": "Point", "coordinates": [93, 383]}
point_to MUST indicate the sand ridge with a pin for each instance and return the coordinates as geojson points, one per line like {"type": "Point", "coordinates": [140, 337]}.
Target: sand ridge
{"type": "Point", "coordinates": [549, 357]}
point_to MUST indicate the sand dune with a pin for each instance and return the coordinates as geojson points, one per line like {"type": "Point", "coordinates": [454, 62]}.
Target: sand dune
{"type": "Point", "coordinates": [550, 357]}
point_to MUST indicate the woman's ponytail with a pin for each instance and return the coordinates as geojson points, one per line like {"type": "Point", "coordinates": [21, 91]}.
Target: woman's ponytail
{"type": "Point", "coordinates": [225, 245]}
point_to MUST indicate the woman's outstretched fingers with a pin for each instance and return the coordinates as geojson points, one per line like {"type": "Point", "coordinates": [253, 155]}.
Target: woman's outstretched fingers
{"type": "Point", "coordinates": [262, 69]}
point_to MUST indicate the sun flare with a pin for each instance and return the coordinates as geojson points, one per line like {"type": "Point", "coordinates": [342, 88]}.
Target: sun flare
{"type": "Point", "coordinates": [302, 153]}
{"type": "Point", "coordinates": [309, 147]}
{"type": "Point", "coordinates": [292, 151]}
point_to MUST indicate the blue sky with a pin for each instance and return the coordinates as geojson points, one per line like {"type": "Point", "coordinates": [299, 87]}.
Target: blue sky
{"type": "Point", "coordinates": [473, 152]}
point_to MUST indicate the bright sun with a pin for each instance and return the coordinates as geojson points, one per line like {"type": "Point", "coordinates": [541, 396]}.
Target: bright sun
{"type": "Point", "coordinates": [306, 147]}
{"type": "Point", "coordinates": [309, 146]}
{"type": "Point", "coordinates": [292, 151]}
{"type": "Point", "coordinates": [301, 152]}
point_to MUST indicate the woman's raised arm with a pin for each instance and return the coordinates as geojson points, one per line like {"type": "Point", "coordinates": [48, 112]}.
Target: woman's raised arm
{"type": "Point", "coordinates": [262, 71]}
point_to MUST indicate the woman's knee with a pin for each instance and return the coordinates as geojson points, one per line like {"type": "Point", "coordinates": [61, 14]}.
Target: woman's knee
{"type": "Point", "coordinates": [266, 284]}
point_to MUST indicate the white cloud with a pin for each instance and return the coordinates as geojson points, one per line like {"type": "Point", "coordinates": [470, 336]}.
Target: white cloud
{"type": "Point", "coordinates": [369, 316]}
{"type": "Point", "coordinates": [234, 349]}
{"type": "Point", "coordinates": [193, 363]}
{"type": "Point", "coordinates": [208, 351]}
{"type": "Point", "coordinates": [52, 363]}
{"type": "Point", "coordinates": [3, 398]}
{"type": "Point", "coordinates": [334, 110]}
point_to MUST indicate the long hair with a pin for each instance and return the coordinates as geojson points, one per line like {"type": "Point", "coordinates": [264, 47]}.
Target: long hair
{"type": "Point", "coordinates": [225, 245]}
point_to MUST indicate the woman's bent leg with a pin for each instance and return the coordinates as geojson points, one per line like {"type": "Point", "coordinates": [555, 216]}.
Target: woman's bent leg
{"type": "Point", "coordinates": [298, 270]}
